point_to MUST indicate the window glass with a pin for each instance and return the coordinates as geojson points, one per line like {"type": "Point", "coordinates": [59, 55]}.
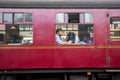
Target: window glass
{"type": "Point", "coordinates": [18, 17]}
{"type": "Point", "coordinates": [0, 17]}
{"type": "Point", "coordinates": [2, 33]}
{"type": "Point", "coordinates": [88, 17]}
{"type": "Point", "coordinates": [77, 33]}
{"type": "Point", "coordinates": [115, 28]}
{"type": "Point", "coordinates": [26, 31]}
{"type": "Point", "coordinates": [66, 18]}
{"type": "Point", "coordinates": [60, 18]}
{"type": "Point", "coordinates": [82, 18]}
{"type": "Point", "coordinates": [74, 32]}
{"type": "Point", "coordinates": [16, 34]}
{"type": "Point", "coordinates": [28, 17]}
{"type": "Point", "coordinates": [8, 17]}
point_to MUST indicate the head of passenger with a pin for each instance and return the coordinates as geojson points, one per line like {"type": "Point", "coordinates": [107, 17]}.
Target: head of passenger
{"type": "Point", "coordinates": [59, 32]}
{"type": "Point", "coordinates": [87, 38]}
{"type": "Point", "coordinates": [71, 36]}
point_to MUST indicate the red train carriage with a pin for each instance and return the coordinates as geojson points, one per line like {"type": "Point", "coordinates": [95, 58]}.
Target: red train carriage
{"type": "Point", "coordinates": [60, 40]}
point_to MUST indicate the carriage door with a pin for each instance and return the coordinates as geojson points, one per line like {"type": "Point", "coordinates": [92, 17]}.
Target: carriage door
{"type": "Point", "coordinates": [113, 56]}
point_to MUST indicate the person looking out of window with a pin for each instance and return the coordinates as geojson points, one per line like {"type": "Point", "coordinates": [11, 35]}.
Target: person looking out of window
{"type": "Point", "coordinates": [59, 39]}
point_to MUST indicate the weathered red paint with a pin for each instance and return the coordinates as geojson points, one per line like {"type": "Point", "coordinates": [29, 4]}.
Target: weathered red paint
{"type": "Point", "coordinates": [44, 53]}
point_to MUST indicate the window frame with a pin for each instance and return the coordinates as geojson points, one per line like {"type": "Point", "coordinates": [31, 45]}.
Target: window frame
{"type": "Point", "coordinates": [4, 17]}
{"type": "Point", "coordinates": [112, 30]}
{"type": "Point", "coordinates": [1, 17]}
{"type": "Point", "coordinates": [17, 23]}
{"type": "Point", "coordinates": [66, 23]}
{"type": "Point", "coordinates": [18, 13]}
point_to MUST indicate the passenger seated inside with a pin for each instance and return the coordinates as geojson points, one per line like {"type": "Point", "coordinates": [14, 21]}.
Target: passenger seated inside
{"type": "Point", "coordinates": [15, 39]}
{"type": "Point", "coordinates": [6, 39]}
{"type": "Point", "coordinates": [86, 39]}
{"type": "Point", "coordinates": [1, 38]}
{"type": "Point", "coordinates": [59, 39]}
{"type": "Point", "coordinates": [71, 37]}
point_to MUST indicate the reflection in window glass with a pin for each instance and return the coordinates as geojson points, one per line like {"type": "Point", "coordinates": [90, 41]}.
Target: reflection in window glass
{"type": "Point", "coordinates": [26, 32]}
{"type": "Point", "coordinates": [60, 17]}
{"type": "Point", "coordinates": [2, 33]}
{"type": "Point", "coordinates": [66, 18]}
{"type": "Point", "coordinates": [16, 34]}
{"type": "Point", "coordinates": [28, 17]}
{"type": "Point", "coordinates": [8, 17]}
{"type": "Point", "coordinates": [88, 17]}
{"type": "Point", "coordinates": [82, 18]}
{"type": "Point", "coordinates": [18, 17]}
{"type": "Point", "coordinates": [25, 27]}
{"type": "Point", "coordinates": [0, 17]}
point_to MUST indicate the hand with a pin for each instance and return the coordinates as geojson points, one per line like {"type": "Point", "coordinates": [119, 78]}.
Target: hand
{"type": "Point", "coordinates": [70, 42]}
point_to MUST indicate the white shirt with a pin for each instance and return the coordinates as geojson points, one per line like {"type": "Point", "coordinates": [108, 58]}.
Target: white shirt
{"type": "Point", "coordinates": [58, 39]}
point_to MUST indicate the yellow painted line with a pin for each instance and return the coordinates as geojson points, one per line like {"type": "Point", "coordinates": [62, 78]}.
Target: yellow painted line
{"type": "Point", "coordinates": [55, 47]}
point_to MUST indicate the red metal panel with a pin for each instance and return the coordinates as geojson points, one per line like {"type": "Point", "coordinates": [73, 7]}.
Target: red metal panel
{"type": "Point", "coordinates": [114, 51]}
{"type": "Point", "coordinates": [7, 59]}
{"type": "Point", "coordinates": [50, 58]}
{"type": "Point", "coordinates": [44, 53]}
{"type": "Point", "coordinates": [43, 58]}
{"type": "Point", "coordinates": [44, 27]}
{"type": "Point", "coordinates": [80, 58]}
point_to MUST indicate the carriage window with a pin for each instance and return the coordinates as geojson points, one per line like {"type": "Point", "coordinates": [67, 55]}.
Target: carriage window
{"type": "Point", "coordinates": [0, 17]}
{"type": "Point", "coordinates": [8, 17]}
{"type": "Point", "coordinates": [77, 28]}
{"type": "Point", "coordinates": [28, 17]}
{"type": "Point", "coordinates": [115, 28]}
{"type": "Point", "coordinates": [88, 17]}
{"type": "Point", "coordinates": [82, 18]}
{"type": "Point", "coordinates": [18, 17]}
{"type": "Point", "coordinates": [16, 34]}
{"type": "Point", "coordinates": [22, 17]}
{"type": "Point", "coordinates": [73, 17]}
{"type": "Point", "coordinates": [60, 18]}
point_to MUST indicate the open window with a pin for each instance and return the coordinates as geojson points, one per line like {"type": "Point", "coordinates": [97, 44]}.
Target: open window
{"type": "Point", "coordinates": [76, 27]}
{"type": "Point", "coordinates": [73, 17]}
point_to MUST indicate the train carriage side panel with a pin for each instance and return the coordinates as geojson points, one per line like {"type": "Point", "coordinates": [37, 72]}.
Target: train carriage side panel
{"type": "Point", "coordinates": [45, 53]}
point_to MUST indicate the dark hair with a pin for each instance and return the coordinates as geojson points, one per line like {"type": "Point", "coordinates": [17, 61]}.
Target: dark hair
{"type": "Point", "coordinates": [84, 35]}
{"type": "Point", "coordinates": [87, 35]}
{"type": "Point", "coordinates": [71, 36]}
{"type": "Point", "coordinates": [58, 30]}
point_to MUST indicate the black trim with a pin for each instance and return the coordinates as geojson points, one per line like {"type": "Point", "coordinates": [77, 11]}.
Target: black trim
{"type": "Point", "coordinates": [50, 71]}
